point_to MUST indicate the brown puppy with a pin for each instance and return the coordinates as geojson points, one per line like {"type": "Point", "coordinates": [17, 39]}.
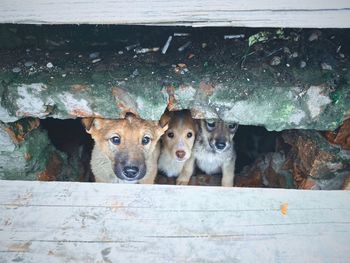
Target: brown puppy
{"type": "Point", "coordinates": [214, 149]}
{"type": "Point", "coordinates": [126, 150]}
{"type": "Point", "coordinates": [176, 158]}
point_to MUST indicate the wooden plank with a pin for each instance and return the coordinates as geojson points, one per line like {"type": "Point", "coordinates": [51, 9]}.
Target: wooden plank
{"type": "Point", "coordinates": [262, 13]}
{"type": "Point", "coordinates": [81, 222]}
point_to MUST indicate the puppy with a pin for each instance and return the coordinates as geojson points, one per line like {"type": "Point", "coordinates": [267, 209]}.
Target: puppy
{"type": "Point", "coordinates": [126, 150]}
{"type": "Point", "coordinates": [214, 149]}
{"type": "Point", "coordinates": [176, 158]}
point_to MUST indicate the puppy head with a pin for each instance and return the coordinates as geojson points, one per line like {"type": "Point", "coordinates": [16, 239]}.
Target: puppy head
{"type": "Point", "coordinates": [178, 140]}
{"type": "Point", "coordinates": [217, 135]}
{"type": "Point", "coordinates": [127, 143]}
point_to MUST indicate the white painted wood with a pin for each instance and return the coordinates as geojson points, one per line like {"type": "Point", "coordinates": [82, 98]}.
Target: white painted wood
{"type": "Point", "coordinates": [82, 222]}
{"type": "Point", "coordinates": [245, 13]}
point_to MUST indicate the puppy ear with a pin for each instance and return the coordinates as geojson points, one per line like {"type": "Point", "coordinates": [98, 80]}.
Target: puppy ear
{"type": "Point", "coordinates": [197, 125]}
{"type": "Point", "coordinates": [90, 124]}
{"type": "Point", "coordinates": [87, 123]}
{"type": "Point", "coordinates": [233, 130]}
{"type": "Point", "coordinates": [164, 121]}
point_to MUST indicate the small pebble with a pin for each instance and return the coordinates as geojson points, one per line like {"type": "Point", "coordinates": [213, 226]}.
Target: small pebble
{"type": "Point", "coordinates": [16, 70]}
{"type": "Point", "coordinates": [64, 75]}
{"type": "Point", "coordinates": [295, 54]}
{"type": "Point", "coordinates": [315, 35]}
{"type": "Point", "coordinates": [96, 60]}
{"type": "Point", "coordinates": [341, 55]}
{"type": "Point", "coordinates": [29, 64]}
{"type": "Point", "coordinates": [326, 66]}
{"type": "Point", "coordinates": [204, 45]}
{"type": "Point", "coordinates": [275, 61]}
{"type": "Point", "coordinates": [120, 52]}
{"type": "Point", "coordinates": [287, 65]}
{"type": "Point", "coordinates": [190, 56]}
{"type": "Point", "coordinates": [94, 55]}
{"type": "Point", "coordinates": [302, 64]}
{"type": "Point", "coordinates": [135, 73]}
{"type": "Point", "coordinates": [49, 65]}
{"type": "Point", "coordinates": [286, 50]}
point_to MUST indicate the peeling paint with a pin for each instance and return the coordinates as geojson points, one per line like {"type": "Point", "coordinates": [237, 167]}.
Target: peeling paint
{"type": "Point", "coordinates": [185, 95]}
{"type": "Point", "coordinates": [5, 116]}
{"type": "Point", "coordinates": [317, 100]}
{"type": "Point", "coordinates": [76, 107]}
{"type": "Point", "coordinates": [30, 103]}
{"type": "Point", "coordinates": [243, 112]}
{"type": "Point", "coordinates": [297, 116]}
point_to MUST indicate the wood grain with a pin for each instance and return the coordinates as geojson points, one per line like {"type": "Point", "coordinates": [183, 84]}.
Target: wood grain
{"type": "Point", "coordinates": [241, 13]}
{"type": "Point", "coordinates": [82, 222]}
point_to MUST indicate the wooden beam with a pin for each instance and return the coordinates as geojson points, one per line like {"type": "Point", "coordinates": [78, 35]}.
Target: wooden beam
{"type": "Point", "coordinates": [81, 222]}
{"type": "Point", "coordinates": [240, 13]}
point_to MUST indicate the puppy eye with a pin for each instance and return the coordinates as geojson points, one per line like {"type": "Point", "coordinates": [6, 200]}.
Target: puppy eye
{"type": "Point", "coordinates": [211, 125]}
{"type": "Point", "coordinates": [146, 140]}
{"type": "Point", "coordinates": [232, 126]}
{"type": "Point", "coordinates": [115, 140]}
{"type": "Point", "coordinates": [171, 135]}
{"type": "Point", "coordinates": [189, 135]}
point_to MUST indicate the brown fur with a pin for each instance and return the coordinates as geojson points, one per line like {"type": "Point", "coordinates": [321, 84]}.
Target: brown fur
{"type": "Point", "coordinates": [176, 158]}
{"type": "Point", "coordinates": [110, 161]}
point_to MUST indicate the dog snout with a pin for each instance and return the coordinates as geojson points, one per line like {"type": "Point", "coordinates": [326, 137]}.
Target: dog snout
{"type": "Point", "coordinates": [131, 172]}
{"type": "Point", "coordinates": [180, 154]}
{"type": "Point", "coordinates": [220, 144]}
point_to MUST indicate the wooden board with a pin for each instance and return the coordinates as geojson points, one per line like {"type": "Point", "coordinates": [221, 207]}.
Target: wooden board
{"type": "Point", "coordinates": [81, 222]}
{"type": "Point", "coordinates": [242, 13]}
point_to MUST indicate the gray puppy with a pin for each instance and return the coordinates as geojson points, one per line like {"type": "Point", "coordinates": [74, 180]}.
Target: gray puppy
{"type": "Point", "coordinates": [214, 149]}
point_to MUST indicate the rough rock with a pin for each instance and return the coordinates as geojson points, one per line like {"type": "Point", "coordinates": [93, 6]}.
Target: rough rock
{"type": "Point", "coordinates": [314, 162]}
{"type": "Point", "coordinates": [267, 171]}
{"type": "Point", "coordinates": [26, 153]}
{"type": "Point", "coordinates": [304, 160]}
{"type": "Point", "coordinates": [341, 136]}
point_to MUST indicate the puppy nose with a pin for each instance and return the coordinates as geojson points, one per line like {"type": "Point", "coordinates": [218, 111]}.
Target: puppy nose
{"type": "Point", "coordinates": [180, 154]}
{"type": "Point", "coordinates": [220, 144]}
{"type": "Point", "coordinates": [130, 171]}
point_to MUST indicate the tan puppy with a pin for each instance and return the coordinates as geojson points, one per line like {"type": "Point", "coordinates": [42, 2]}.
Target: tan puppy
{"type": "Point", "coordinates": [176, 158]}
{"type": "Point", "coordinates": [126, 150]}
{"type": "Point", "coordinates": [214, 149]}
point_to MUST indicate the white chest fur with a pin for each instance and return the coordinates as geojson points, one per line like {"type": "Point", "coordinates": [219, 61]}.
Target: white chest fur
{"type": "Point", "coordinates": [168, 165]}
{"type": "Point", "coordinates": [211, 162]}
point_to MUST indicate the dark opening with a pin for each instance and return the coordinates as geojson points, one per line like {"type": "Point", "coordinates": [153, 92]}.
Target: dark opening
{"type": "Point", "coordinates": [70, 137]}
{"type": "Point", "coordinates": [97, 55]}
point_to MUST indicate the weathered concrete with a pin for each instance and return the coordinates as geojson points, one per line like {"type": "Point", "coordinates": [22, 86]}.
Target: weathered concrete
{"type": "Point", "coordinates": [253, 103]}
{"type": "Point", "coordinates": [226, 80]}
